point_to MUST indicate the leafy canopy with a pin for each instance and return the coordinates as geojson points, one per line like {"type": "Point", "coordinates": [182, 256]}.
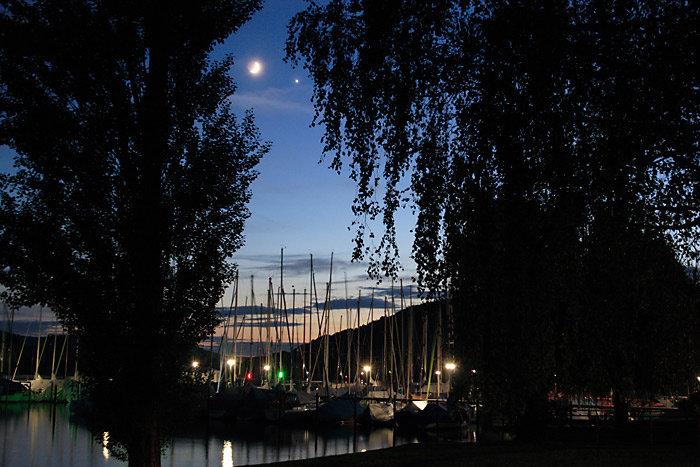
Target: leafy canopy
{"type": "Point", "coordinates": [547, 148]}
{"type": "Point", "coordinates": [131, 184]}
{"type": "Point", "coordinates": [571, 105]}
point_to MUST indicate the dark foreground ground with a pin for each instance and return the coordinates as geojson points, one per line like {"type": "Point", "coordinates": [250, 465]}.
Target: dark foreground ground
{"type": "Point", "coordinates": [515, 454]}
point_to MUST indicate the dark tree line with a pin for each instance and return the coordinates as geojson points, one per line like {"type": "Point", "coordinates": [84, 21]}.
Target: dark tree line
{"type": "Point", "coordinates": [549, 151]}
{"type": "Point", "coordinates": [130, 190]}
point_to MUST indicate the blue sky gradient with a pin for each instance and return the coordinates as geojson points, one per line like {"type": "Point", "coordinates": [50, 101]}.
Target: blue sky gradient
{"type": "Point", "coordinates": [299, 204]}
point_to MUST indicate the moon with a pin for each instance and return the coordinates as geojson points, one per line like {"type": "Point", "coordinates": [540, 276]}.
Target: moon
{"type": "Point", "coordinates": [254, 67]}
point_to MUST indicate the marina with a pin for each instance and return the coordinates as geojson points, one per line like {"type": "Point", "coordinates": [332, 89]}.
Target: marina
{"type": "Point", "coordinates": [280, 383]}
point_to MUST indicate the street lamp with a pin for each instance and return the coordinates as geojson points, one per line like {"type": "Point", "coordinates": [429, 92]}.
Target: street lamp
{"type": "Point", "coordinates": [231, 374]}
{"type": "Point", "coordinates": [438, 373]}
{"type": "Point", "coordinates": [267, 374]}
{"type": "Point", "coordinates": [451, 368]}
{"type": "Point", "coordinates": [368, 370]}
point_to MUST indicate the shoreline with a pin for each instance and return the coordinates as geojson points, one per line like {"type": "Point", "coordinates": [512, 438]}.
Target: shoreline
{"type": "Point", "coordinates": [571, 454]}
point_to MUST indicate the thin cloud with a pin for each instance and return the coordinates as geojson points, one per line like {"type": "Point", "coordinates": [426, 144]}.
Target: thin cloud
{"type": "Point", "coordinates": [273, 100]}
{"type": "Point", "coordinates": [295, 264]}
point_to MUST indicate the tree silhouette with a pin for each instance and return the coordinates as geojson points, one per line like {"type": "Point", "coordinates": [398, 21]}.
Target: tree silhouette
{"type": "Point", "coordinates": [130, 191]}
{"type": "Point", "coordinates": [515, 131]}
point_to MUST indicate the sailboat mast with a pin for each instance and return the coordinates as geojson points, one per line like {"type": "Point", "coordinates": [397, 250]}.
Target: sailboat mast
{"type": "Point", "coordinates": [384, 354]}
{"type": "Point", "coordinates": [409, 375]}
{"type": "Point", "coordinates": [279, 331]}
{"type": "Point", "coordinates": [12, 341]}
{"type": "Point", "coordinates": [349, 331]}
{"type": "Point", "coordinates": [235, 328]}
{"type": "Point", "coordinates": [268, 340]}
{"type": "Point", "coordinates": [252, 324]}
{"type": "Point", "coordinates": [326, 337]}
{"type": "Point", "coordinates": [283, 309]}
{"type": "Point", "coordinates": [38, 343]}
{"type": "Point", "coordinates": [303, 340]}
{"type": "Point", "coordinates": [357, 359]}
{"type": "Point", "coordinates": [371, 333]}
{"type": "Point", "coordinates": [393, 338]}
{"type": "Point", "coordinates": [296, 337]}
{"type": "Point", "coordinates": [53, 356]}
{"type": "Point", "coordinates": [261, 323]}
{"type": "Point", "coordinates": [424, 344]}
{"type": "Point", "coordinates": [439, 347]}
{"type": "Point", "coordinates": [328, 319]}
{"type": "Point", "coordinates": [310, 368]}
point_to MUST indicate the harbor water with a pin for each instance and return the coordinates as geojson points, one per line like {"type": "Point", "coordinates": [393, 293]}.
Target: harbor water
{"type": "Point", "coordinates": [47, 435]}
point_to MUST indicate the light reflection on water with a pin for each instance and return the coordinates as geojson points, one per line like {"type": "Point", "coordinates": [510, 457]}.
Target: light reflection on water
{"type": "Point", "coordinates": [33, 436]}
{"type": "Point", "coordinates": [221, 444]}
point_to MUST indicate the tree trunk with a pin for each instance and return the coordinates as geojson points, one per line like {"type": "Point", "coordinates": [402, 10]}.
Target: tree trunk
{"type": "Point", "coordinates": [144, 445]}
{"type": "Point", "coordinates": [620, 408]}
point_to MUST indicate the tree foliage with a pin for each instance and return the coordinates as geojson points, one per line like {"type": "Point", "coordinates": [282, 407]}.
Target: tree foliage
{"type": "Point", "coordinates": [549, 149]}
{"type": "Point", "coordinates": [130, 190]}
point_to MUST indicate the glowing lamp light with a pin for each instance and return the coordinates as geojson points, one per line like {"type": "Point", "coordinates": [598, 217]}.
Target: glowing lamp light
{"type": "Point", "coordinates": [195, 364]}
{"type": "Point", "coordinates": [280, 375]}
{"type": "Point", "coordinates": [230, 363]}
{"type": "Point", "coordinates": [438, 372]}
{"type": "Point", "coordinates": [249, 376]}
{"type": "Point", "coordinates": [367, 368]}
{"type": "Point", "coordinates": [266, 368]}
{"type": "Point", "coordinates": [450, 366]}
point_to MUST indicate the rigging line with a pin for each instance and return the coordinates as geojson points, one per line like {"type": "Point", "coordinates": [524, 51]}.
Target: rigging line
{"type": "Point", "coordinates": [328, 307]}
{"type": "Point", "coordinates": [235, 324]}
{"type": "Point", "coordinates": [224, 335]}
{"type": "Point", "coordinates": [60, 356]}
{"type": "Point", "coordinates": [38, 345]}
{"type": "Point", "coordinates": [239, 329]}
{"type": "Point", "coordinates": [19, 357]}
{"type": "Point", "coordinates": [319, 317]}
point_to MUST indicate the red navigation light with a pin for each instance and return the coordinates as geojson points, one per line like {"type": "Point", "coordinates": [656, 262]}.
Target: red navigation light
{"type": "Point", "coordinates": [249, 376]}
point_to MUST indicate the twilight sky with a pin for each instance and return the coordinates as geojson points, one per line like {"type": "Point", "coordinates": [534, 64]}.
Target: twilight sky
{"type": "Point", "coordinates": [298, 204]}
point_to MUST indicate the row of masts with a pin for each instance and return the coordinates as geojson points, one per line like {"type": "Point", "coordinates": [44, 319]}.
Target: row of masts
{"type": "Point", "coordinates": [259, 341]}
{"type": "Point", "coordinates": [285, 352]}
{"type": "Point", "coordinates": [11, 358]}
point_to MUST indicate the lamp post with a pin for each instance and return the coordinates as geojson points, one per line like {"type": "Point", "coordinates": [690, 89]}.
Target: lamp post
{"type": "Point", "coordinates": [438, 373]}
{"type": "Point", "coordinates": [451, 368]}
{"type": "Point", "coordinates": [231, 374]}
{"type": "Point", "coordinates": [267, 374]}
{"type": "Point", "coordinates": [368, 371]}
{"type": "Point", "coordinates": [195, 365]}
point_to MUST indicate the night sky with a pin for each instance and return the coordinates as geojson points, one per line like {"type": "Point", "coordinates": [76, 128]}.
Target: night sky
{"type": "Point", "coordinates": [298, 204]}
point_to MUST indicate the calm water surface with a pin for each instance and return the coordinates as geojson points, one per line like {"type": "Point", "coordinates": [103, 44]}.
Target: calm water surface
{"type": "Point", "coordinates": [43, 437]}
